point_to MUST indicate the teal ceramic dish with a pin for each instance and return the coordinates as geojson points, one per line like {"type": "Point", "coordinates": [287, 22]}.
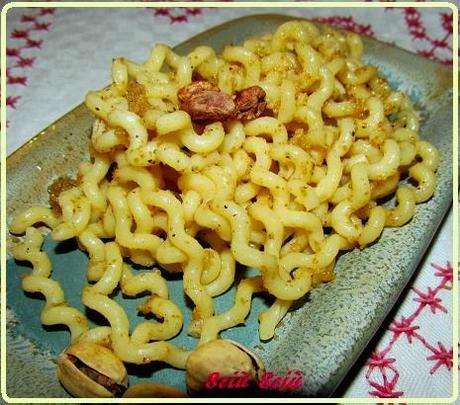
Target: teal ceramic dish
{"type": "Point", "coordinates": [324, 335]}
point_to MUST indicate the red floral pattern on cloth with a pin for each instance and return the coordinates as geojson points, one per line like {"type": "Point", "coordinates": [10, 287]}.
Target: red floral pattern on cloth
{"type": "Point", "coordinates": [22, 49]}
{"type": "Point", "coordinates": [427, 45]}
{"type": "Point", "coordinates": [433, 48]}
{"type": "Point", "coordinates": [347, 23]}
{"type": "Point", "coordinates": [439, 49]}
{"type": "Point", "coordinates": [176, 15]}
{"type": "Point", "coordinates": [386, 367]}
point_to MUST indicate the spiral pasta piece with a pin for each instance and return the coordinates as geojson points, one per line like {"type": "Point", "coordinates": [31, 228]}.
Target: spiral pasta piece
{"type": "Point", "coordinates": [234, 315]}
{"type": "Point", "coordinates": [56, 310]}
{"type": "Point", "coordinates": [122, 345]}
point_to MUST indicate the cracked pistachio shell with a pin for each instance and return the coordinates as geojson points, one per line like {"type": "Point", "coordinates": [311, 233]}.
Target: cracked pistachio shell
{"type": "Point", "coordinates": [97, 358]}
{"type": "Point", "coordinates": [222, 356]}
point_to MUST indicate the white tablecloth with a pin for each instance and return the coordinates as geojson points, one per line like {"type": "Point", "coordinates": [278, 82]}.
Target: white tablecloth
{"type": "Point", "coordinates": [55, 55]}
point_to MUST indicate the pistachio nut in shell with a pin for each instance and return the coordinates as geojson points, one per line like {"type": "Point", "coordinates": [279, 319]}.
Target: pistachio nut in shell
{"type": "Point", "coordinates": [224, 357]}
{"type": "Point", "coordinates": [88, 370]}
{"type": "Point", "coordinates": [152, 390]}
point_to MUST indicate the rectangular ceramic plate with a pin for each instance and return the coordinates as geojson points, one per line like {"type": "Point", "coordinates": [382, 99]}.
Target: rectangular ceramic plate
{"type": "Point", "coordinates": [325, 334]}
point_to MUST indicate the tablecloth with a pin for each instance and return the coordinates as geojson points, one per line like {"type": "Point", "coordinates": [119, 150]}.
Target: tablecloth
{"type": "Point", "coordinates": [55, 55]}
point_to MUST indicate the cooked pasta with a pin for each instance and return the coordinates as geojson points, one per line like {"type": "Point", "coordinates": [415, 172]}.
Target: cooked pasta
{"type": "Point", "coordinates": [276, 155]}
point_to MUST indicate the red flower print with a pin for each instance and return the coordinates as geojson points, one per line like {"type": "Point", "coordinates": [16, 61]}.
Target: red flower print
{"type": "Point", "coordinates": [445, 272]}
{"type": "Point", "coordinates": [347, 23]}
{"type": "Point", "coordinates": [25, 62]}
{"type": "Point", "coordinates": [161, 11]}
{"type": "Point", "coordinates": [11, 101]}
{"type": "Point", "coordinates": [430, 299]}
{"type": "Point", "coordinates": [378, 360]}
{"type": "Point", "coordinates": [176, 14]}
{"type": "Point", "coordinates": [447, 22]}
{"type": "Point", "coordinates": [28, 18]}
{"type": "Point", "coordinates": [403, 327]}
{"type": "Point", "coordinates": [387, 389]}
{"type": "Point", "coordinates": [426, 53]}
{"type": "Point", "coordinates": [25, 40]}
{"type": "Point", "coordinates": [20, 34]}
{"type": "Point", "coordinates": [193, 11]}
{"type": "Point", "coordinates": [47, 11]}
{"type": "Point", "coordinates": [14, 52]}
{"type": "Point", "coordinates": [442, 356]}
{"type": "Point", "coordinates": [22, 80]}
{"type": "Point", "coordinates": [42, 26]}
{"type": "Point", "coordinates": [178, 18]}
{"type": "Point", "coordinates": [31, 43]}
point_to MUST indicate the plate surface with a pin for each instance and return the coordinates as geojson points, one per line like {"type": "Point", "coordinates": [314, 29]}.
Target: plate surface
{"type": "Point", "coordinates": [322, 337]}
